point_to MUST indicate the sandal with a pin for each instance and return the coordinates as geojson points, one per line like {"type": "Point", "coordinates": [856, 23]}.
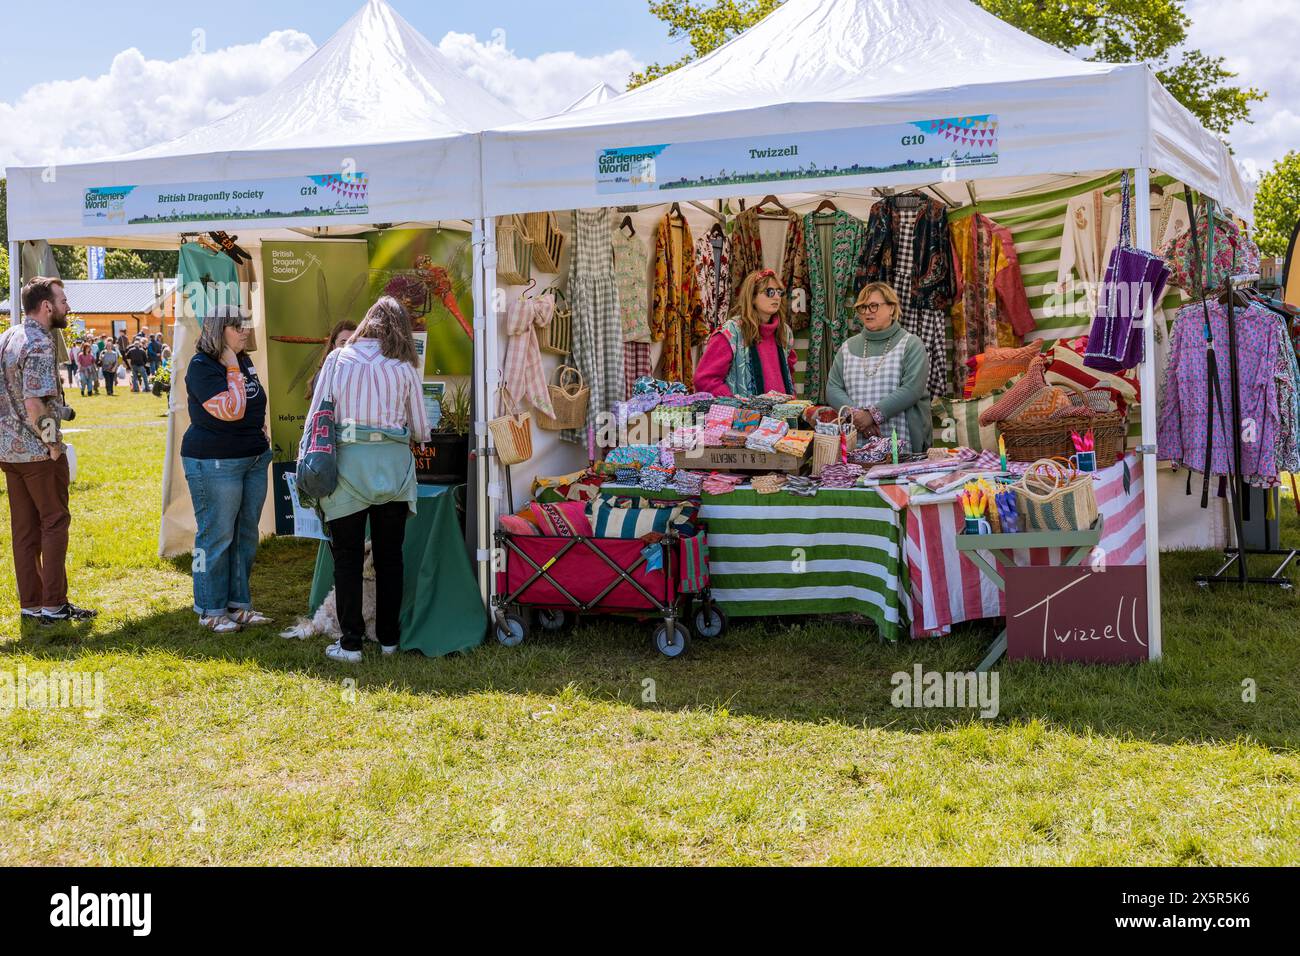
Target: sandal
{"type": "Point", "coordinates": [220, 624]}
{"type": "Point", "coordinates": [247, 617]}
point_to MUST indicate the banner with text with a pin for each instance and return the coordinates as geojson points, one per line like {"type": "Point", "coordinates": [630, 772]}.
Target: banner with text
{"type": "Point", "coordinates": [859, 151]}
{"type": "Point", "coordinates": [290, 197]}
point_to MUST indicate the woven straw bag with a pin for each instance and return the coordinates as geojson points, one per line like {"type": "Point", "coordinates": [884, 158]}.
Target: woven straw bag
{"type": "Point", "coordinates": [548, 242]}
{"type": "Point", "coordinates": [512, 433]}
{"type": "Point", "coordinates": [556, 337]}
{"type": "Point", "coordinates": [1053, 496]}
{"type": "Point", "coordinates": [514, 251]}
{"type": "Point", "coordinates": [569, 397]}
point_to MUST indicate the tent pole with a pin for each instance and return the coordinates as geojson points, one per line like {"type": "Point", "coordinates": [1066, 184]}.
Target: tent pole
{"type": "Point", "coordinates": [1147, 379]}
{"type": "Point", "coordinates": [15, 269]}
{"type": "Point", "coordinates": [491, 377]}
{"type": "Point", "coordinates": [482, 461]}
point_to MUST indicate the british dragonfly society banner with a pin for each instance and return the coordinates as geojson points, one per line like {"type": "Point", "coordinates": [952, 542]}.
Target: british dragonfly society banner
{"type": "Point", "coordinates": [864, 150]}
{"type": "Point", "coordinates": [289, 197]}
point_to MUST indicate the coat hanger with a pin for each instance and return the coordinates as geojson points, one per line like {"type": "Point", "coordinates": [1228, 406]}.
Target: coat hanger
{"type": "Point", "coordinates": [827, 206]}
{"type": "Point", "coordinates": [717, 232]}
{"type": "Point", "coordinates": [627, 224]}
{"type": "Point", "coordinates": [769, 198]}
{"type": "Point", "coordinates": [676, 210]}
{"type": "Point", "coordinates": [532, 284]}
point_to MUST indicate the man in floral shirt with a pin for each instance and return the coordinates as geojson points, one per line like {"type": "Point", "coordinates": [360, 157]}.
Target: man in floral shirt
{"type": "Point", "coordinates": [32, 454]}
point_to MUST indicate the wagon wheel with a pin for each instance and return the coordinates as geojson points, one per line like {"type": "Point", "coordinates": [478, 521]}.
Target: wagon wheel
{"type": "Point", "coordinates": [672, 639]}
{"type": "Point", "coordinates": [511, 629]}
{"type": "Point", "coordinates": [553, 619]}
{"type": "Point", "coordinates": [709, 620]}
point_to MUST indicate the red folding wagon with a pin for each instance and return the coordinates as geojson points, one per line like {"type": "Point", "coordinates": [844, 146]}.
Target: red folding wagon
{"type": "Point", "coordinates": [561, 578]}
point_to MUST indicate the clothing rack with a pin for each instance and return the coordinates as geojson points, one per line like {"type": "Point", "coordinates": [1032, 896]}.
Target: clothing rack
{"type": "Point", "coordinates": [1239, 491]}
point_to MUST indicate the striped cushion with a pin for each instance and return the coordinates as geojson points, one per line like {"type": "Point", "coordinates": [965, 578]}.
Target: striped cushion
{"type": "Point", "coordinates": [610, 521]}
{"type": "Point", "coordinates": [957, 422]}
{"type": "Point", "coordinates": [1067, 365]}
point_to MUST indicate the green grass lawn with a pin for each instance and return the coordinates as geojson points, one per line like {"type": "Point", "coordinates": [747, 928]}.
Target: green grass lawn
{"type": "Point", "coordinates": [776, 744]}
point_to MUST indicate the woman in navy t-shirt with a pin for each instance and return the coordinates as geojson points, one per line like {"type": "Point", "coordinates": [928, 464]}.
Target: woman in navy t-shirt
{"type": "Point", "coordinates": [226, 455]}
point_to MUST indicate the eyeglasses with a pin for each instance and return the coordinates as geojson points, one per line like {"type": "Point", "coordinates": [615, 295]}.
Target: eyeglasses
{"type": "Point", "coordinates": [774, 293]}
{"type": "Point", "coordinates": [872, 307]}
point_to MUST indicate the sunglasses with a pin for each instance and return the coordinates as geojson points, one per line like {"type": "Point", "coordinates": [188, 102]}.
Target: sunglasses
{"type": "Point", "coordinates": [873, 307]}
{"type": "Point", "coordinates": [774, 293]}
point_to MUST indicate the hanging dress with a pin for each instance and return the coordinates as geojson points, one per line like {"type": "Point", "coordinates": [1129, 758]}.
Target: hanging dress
{"type": "Point", "coordinates": [597, 326]}
{"type": "Point", "coordinates": [788, 257]}
{"type": "Point", "coordinates": [713, 273]}
{"type": "Point", "coordinates": [678, 314]}
{"type": "Point", "coordinates": [630, 273]}
{"type": "Point", "coordinates": [834, 242]}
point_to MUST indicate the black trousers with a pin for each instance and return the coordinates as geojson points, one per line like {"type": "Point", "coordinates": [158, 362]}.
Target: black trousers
{"type": "Point", "coordinates": [348, 545]}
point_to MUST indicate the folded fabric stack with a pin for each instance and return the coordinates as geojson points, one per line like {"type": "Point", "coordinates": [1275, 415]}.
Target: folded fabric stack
{"type": "Point", "coordinates": [686, 438]}
{"type": "Point", "coordinates": [795, 443]}
{"type": "Point", "coordinates": [666, 459]}
{"type": "Point", "coordinates": [769, 484]}
{"type": "Point", "coordinates": [717, 421]}
{"type": "Point", "coordinates": [871, 452]}
{"type": "Point", "coordinates": [840, 476]}
{"type": "Point", "coordinates": [793, 409]}
{"type": "Point", "coordinates": [767, 434]}
{"type": "Point", "coordinates": [720, 484]}
{"type": "Point", "coordinates": [627, 476]}
{"type": "Point", "coordinates": [646, 384]}
{"type": "Point", "coordinates": [688, 483]}
{"type": "Point", "coordinates": [657, 478]}
{"type": "Point", "coordinates": [776, 396]}
{"type": "Point", "coordinates": [634, 456]}
{"type": "Point", "coordinates": [747, 419]}
{"type": "Point", "coordinates": [733, 439]}
{"type": "Point", "coordinates": [802, 486]}
{"type": "Point", "coordinates": [681, 400]}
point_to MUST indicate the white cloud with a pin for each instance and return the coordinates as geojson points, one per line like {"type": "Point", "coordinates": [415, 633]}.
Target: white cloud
{"type": "Point", "coordinates": [1257, 40]}
{"type": "Point", "coordinates": [139, 101]}
{"type": "Point", "coordinates": [539, 86]}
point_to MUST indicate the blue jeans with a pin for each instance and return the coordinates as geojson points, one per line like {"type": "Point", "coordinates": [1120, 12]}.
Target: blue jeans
{"type": "Point", "coordinates": [139, 378]}
{"type": "Point", "coordinates": [228, 494]}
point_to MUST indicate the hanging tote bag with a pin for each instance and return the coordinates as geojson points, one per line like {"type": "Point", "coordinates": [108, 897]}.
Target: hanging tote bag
{"type": "Point", "coordinates": [514, 251]}
{"type": "Point", "coordinates": [548, 242]}
{"type": "Point", "coordinates": [556, 338]}
{"type": "Point", "coordinates": [318, 464]}
{"type": "Point", "coordinates": [512, 433]}
{"type": "Point", "coordinates": [569, 398]}
{"type": "Point", "coordinates": [1133, 278]}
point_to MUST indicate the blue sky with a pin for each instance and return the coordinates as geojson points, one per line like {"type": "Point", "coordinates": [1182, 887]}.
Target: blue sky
{"type": "Point", "coordinates": [93, 31]}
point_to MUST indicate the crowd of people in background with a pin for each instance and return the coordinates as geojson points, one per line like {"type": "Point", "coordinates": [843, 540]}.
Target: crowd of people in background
{"type": "Point", "coordinates": [138, 359]}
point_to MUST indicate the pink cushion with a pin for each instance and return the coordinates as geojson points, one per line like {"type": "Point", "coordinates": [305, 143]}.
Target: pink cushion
{"type": "Point", "coordinates": [517, 525]}
{"type": "Point", "coordinates": [565, 519]}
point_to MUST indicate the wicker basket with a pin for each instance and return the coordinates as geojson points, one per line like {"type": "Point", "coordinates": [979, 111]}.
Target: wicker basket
{"type": "Point", "coordinates": [1051, 497]}
{"type": "Point", "coordinates": [1050, 438]}
{"type": "Point", "coordinates": [548, 242]}
{"type": "Point", "coordinates": [569, 398]}
{"type": "Point", "coordinates": [512, 433]}
{"type": "Point", "coordinates": [514, 251]}
{"type": "Point", "coordinates": [556, 337]}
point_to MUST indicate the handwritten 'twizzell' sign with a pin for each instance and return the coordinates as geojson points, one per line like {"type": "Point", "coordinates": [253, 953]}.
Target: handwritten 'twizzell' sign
{"type": "Point", "coordinates": [1076, 614]}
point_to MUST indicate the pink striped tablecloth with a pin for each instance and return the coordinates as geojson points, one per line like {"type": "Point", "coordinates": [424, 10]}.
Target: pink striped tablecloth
{"type": "Point", "coordinates": [945, 588]}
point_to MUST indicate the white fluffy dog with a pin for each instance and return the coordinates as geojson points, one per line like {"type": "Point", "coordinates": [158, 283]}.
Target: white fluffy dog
{"type": "Point", "coordinates": [326, 619]}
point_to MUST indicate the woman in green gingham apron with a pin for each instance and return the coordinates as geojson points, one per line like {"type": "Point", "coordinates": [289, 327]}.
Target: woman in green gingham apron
{"type": "Point", "coordinates": [882, 373]}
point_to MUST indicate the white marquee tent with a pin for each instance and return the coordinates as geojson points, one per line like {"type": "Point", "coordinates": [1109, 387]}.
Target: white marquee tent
{"type": "Point", "coordinates": [820, 75]}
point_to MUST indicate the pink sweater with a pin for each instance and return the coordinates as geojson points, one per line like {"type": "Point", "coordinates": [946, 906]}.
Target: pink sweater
{"type": "Point", "coordinates": [715, 363]}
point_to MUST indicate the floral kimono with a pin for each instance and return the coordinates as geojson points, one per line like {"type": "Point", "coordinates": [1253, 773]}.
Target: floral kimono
{"type": "Point", "coordinates": [713, 272]}
{"type": "Point", "coordinates": [832, 296]}
{"type": "Point", "coordinates": [991, 308]}
{"type": "Point", "coordinates": [678, 315]}
{"type": "Point", "coordinates": [747, 257]}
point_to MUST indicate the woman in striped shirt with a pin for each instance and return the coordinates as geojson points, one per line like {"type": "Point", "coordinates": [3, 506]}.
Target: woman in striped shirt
{"type": "Point", "coordinates": [376, 386]}
{"type": "Point", "coordinates": [225, 454]}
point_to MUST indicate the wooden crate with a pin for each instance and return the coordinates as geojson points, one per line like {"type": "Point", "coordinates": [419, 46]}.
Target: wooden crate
{"type": "Point", "coordinates": [736, 459]}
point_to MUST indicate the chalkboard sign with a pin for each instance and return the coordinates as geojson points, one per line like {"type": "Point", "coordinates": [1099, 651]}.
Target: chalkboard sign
{"type": "Point", "coordinates": [1077, 614]}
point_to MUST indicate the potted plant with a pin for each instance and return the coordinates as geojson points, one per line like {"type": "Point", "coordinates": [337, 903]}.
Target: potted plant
{"type": "Point", "coordinates": [444, 458]}
{"type": "Point", "coordinates": [162, 379]}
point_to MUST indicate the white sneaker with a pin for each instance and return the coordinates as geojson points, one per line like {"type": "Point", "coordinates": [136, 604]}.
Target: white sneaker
{"type": "Point", "coordinates": [389, 649]}
{"type": "Point", "coordinates": [335, 652]}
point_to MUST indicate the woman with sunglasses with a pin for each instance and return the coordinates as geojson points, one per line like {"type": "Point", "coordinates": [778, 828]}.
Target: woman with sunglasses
{"type": "Point", "coordinates": [881, 374]}
{"type": "Point", "coordinates": [751, 352]}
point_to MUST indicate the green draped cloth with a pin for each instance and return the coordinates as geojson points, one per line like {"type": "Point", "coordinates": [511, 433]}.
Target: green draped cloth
{"type": "Point", "coordinates": [441, 609]}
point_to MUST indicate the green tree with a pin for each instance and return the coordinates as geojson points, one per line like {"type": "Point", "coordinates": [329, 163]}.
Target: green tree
{"type": "Point", "coordinates": [125, 264]}
{"type": "Point", "coordinates": [1277, 205]}
{"type": "Point", "coordinates": [1116, 31]}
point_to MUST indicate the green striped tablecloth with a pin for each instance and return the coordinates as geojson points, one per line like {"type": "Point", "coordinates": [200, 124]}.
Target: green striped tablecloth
{"type": "Point", "coordinates": [782, 554]}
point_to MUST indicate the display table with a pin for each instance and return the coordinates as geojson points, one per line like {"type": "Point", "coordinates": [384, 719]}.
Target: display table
{"type": "Point", "coordinates": [946, 588]}
{"type": "Point", "coordinates": [441, 608]}
{"type": "Point", "coordinates": [1002, 547]}
{"type": "Point", "coordinates": [837, 552]}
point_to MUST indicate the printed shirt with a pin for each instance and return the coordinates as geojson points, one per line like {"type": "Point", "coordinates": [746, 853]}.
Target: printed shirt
{"type": "Point", "coordinates": [30, 370]}
{"type": "Point", "coordinates": [373, 391]}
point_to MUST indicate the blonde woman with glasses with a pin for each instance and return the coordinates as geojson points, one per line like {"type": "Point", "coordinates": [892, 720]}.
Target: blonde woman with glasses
{"type": "Point", "coordinates": [882, 372]}
{"type": "Point", "coordinates": [751, 353]}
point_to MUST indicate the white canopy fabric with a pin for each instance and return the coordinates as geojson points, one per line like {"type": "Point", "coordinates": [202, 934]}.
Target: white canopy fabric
{"type": "Point", "coordinates": [377, 98]}
{"type": "Point", "coordinates": [849, 65]}
{"type": "Point", "coordinates": [599, 93]}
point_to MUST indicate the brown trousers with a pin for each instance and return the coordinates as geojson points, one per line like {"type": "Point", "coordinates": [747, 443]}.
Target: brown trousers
{"type": "Point", "coordinates": [39, 519]}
